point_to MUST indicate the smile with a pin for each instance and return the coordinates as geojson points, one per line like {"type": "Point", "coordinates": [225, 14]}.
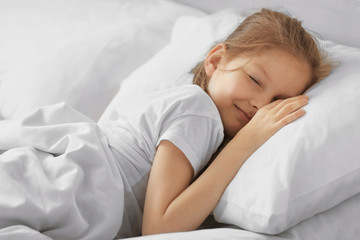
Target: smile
{"type": "Point", "coordinates": [242, 114]}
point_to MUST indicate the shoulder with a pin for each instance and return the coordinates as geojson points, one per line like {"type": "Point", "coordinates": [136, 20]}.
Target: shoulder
{"type": "Point", "coordinates": [168, 104]}
{"type": "Point", "coordinates": [187, 91]}
{"type": "Point", "coordinates": [189, 99]}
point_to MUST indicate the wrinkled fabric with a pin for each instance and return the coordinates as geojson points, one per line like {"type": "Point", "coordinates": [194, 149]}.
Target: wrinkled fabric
{"type": "Point", "coordinates": [59, 179]}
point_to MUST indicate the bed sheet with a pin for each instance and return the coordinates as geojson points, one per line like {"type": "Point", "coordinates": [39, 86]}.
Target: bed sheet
{"type": "Point", "coordinates": [334, 224]}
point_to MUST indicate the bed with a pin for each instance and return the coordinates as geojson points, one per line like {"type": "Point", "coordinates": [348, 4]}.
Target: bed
{"type": "Point", "coordinates": [96, 55]}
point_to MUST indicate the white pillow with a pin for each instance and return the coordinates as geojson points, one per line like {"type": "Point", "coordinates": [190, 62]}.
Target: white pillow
{"type": "Point", "coordinates": [191, 39]}
{"type": "Point", "coordinates": [308, 167]}
{"type": "Point", "coordinates": [339, 222]}
{"type": "Point", "coordinates": [77, 51]}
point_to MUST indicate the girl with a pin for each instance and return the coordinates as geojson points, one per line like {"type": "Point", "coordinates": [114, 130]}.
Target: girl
{"type": "Point", "coordinates": [255, 79]}
{"type": "Point", "coordinates": [63, 177]}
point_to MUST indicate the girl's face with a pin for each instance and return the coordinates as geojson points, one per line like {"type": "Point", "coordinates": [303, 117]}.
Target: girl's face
{"type": "Point", "coordinates": [242, 86]}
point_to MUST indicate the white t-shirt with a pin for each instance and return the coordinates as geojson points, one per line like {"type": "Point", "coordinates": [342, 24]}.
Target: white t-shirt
{"type": "Point", "coordinates": [184, 115]}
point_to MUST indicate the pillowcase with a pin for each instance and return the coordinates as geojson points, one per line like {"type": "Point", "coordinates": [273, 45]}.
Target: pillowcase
{"type": "Point", "coordinates": [79, 51]}
{"type": "Point", "coordinates": [308, 167]}
{"type": "Point", "coordinates": [336, 223]}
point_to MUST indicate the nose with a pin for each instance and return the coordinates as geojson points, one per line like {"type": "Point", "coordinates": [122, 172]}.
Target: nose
{"type": "Point", "coordinates": [260, 101]}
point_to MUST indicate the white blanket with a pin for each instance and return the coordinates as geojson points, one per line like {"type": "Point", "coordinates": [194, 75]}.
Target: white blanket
{"type": "Point", "coordinates": [58, 178]}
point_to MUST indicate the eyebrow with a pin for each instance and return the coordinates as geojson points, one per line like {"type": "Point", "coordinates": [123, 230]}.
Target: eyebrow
{"type": "Point", "coordinates": [263, 71]}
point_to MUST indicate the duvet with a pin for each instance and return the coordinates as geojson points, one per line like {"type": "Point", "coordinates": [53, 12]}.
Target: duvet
{"type": "Point", "coordinates": [58, 178]}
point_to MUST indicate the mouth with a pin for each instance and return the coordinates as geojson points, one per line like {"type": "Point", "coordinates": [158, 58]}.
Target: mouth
{"type": "Point", "coordinates": [245, 117]}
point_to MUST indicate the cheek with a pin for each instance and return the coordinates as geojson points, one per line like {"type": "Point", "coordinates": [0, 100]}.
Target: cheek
{"type": "Point", "coordinates": [226, 87]}
{"type": "Point", "coordinates": [228, 91]}
{"type": "Point", "coordinates": [237, 86]}
{"type": "Point", "coordinates": [232, 92]}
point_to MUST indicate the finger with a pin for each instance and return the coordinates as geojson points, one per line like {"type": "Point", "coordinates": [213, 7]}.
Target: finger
{"type": "Point", "coordinates": [292, 99]}
{"type": "Point", "coordinates": [290, 104]}
{"type": "Point", "coordinates": [288, 108]}
{"type": "Point", "coordinates": [291, 117]}
{"type": "Point", "coordinates": [281, 102]}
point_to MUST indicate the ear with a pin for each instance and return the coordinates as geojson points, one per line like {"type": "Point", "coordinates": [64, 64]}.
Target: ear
{"type": "Point", "coordinates": [213, 59]}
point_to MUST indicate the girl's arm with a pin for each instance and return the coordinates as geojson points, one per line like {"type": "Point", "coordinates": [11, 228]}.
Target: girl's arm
{"type": "Point", "coordinates": [172, 204]}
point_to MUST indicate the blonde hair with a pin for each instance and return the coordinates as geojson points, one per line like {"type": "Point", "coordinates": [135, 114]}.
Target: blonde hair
{"type": "Point", "coordinates": [268, 28]}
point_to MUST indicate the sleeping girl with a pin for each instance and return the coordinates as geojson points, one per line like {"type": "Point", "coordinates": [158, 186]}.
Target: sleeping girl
{"type": "Point", "coordinates": [62, 177]}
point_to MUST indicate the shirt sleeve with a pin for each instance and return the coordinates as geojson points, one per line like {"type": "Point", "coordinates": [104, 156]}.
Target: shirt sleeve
{"type": "Point", "coordinates": [198, 137]}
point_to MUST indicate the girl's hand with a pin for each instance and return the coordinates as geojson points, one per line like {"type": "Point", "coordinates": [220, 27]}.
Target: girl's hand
{"type": "Point", "coordinates": [270, 118]}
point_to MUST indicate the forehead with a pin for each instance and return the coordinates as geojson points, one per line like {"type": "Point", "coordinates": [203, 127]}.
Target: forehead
{"type": "Point", "coordinates": [279, 70]}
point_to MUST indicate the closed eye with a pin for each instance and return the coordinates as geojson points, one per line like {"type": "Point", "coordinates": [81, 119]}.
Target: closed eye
{"type": "Point", "coordinates": [254, 80]}
{"type": "Point", "coordinates": [279, 98]}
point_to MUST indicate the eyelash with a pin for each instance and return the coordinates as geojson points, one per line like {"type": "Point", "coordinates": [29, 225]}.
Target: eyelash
{"type": "Point", "coordinates": [254, 80]}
